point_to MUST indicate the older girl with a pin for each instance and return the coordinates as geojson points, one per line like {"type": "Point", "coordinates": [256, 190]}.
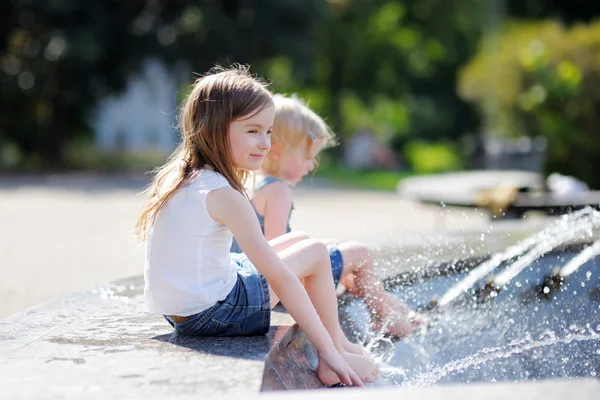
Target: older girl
{"type": "Point", "coordinates": [197, 201]}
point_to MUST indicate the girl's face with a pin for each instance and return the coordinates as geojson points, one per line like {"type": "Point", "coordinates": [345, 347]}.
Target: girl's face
{"type": "Point", "coordinates": [296, 162]}
{"type": "Point", "coordinates": [250, 139]}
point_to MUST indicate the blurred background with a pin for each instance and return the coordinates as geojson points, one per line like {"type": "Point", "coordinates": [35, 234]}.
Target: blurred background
{"type": "Point", "coordinates": [89, 93]}
{"type": "Point", "coordinates": [424, 86]}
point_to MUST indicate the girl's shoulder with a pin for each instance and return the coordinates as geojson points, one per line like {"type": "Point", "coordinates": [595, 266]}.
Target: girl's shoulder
{"type": "Point", "coordinates": [268, 186]}
{"type": "Point", "coordinates": [207, 179]}
{"type": "Point", "coordinates": [275, 189]}
{"type": "Point", "coordinates": [262, 181]}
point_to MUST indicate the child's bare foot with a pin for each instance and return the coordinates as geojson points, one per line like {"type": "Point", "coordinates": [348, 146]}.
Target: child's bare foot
{"type": "Point", "coordinates": [418, 320]}
{"type": "Point", "coordinates": [398, 326]}
{"type": "Point", "coordinates": [353, 348]}
{"type": "Point", "coordinates": [362, 366]}
{"type": "Point", "coordinates": [394, 318]}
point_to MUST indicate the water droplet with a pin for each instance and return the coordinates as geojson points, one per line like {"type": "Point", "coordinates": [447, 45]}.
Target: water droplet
{"type": "Point", "coordinates": [546, 290]}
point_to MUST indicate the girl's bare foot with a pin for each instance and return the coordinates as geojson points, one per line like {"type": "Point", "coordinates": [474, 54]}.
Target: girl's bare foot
{"type": "Point", "coordinates": [362, 366]}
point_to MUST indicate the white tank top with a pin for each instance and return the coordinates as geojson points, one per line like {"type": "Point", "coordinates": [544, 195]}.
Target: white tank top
{"type": "Point", "coordinates": [188, 267]}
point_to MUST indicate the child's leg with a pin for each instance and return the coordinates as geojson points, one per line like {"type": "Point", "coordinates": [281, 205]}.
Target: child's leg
{"type": "Point", "coordinates": [346, 344]}
{"type": "Point", "coordinates": [387, 312]}
{"type": "Point", "coordinates": [309, 259]}
{"type": "Point", "coordinates": [282, 242]}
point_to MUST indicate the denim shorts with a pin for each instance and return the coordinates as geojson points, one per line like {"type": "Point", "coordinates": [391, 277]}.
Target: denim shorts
{"type": "Point", "coordinates": [245, 311]}
{"type": "Point", "coordinates": [337, 263]}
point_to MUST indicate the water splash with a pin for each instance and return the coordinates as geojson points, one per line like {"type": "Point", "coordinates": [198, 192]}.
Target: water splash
{"type": "Point", "coordinates": [522, 335]}
{"type": "Point", "coordinates": [382, 348]}
{"type": "Point", "coordinates": [583, 226]}
{"type": "Point", "coordinates": [490, 354]}
{"type": "Point", "coordinates": [564, 229]}
{"type": "Point", "coordinates": [586, 254]}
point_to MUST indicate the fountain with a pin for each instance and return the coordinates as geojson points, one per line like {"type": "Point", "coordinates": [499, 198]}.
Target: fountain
{"type": "Point", "coordinates": [529, 312]}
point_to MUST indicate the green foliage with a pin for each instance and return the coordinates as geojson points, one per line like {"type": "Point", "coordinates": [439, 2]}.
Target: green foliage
{"type": "Point", "coordinates": [10, 156]}
{"type": "Point", "coordinates": [543, 79]}
{"type": "Point", "coordinates": [562, 10]}
{"type": "Point", "coordinates": [426, 158]}
{"type": "Point", "coordinates": [58, 58]}
{"type": "Point", "coordinates": [385, 117]}
{"type": "Point", "coordinates": [386, 65]}
{"type": "Point", "coordinates": [391, 65]}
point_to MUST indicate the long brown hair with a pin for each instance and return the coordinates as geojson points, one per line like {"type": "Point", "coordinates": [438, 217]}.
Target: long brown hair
{"type": "Point", "coordinates": [221, 96]}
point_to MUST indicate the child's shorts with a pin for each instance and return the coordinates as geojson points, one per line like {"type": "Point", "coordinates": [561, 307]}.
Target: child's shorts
{"type": "Point", "coordinates": [337, 263]}
{"type": "Point", "coordinates": [245, 311]}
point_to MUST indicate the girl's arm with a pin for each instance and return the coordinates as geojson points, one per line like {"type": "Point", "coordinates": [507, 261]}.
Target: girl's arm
{"type": "Point", "coordinates": [227, 206]}
{"type": "Point", "coordinates": [277, 209]}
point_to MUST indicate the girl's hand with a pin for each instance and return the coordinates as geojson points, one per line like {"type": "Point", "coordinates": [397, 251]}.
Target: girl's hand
{"type": "Point", "coordinates": [335, 363]}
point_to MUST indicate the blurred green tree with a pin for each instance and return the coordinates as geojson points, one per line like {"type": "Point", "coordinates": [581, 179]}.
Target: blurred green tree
{"type": "Point", "coordinates": [567, 11]}
{"type": "Point", "coordinates": [57, 58]}
{"type": "Point", "coordinates": [385, 65]}
{"type": "Point", "coordinates": [546, 82]}
{"type": "Point", "coordinates": [390, 67]}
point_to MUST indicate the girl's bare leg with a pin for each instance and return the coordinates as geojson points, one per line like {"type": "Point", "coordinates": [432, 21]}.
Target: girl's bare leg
{"type": "Point", "coordinates": [309, 259]}
{"type": "Point", "coordinates": [282, 242]}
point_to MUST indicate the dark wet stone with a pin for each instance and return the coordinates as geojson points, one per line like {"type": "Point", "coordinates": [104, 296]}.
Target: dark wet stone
{"type": "Point", "coordinates": [294, 361]}
{"type": "Point", "coordinates": [271, 379]}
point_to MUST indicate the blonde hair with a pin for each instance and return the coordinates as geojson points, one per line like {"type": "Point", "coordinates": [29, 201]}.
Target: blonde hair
{"type": "Point", "coordinates": [218, 98]}
{"type": "Point", "coordinates": [295, 124]}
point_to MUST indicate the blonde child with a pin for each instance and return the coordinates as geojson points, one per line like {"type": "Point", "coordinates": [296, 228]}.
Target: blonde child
{"type": "Point", "coordinates": [197, 201]}
{"type": "Point", "coordinates": [298, 136]}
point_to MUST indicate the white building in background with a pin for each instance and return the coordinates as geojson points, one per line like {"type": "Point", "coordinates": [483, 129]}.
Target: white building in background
{"type": "Point", "coordinates": [144, 116]}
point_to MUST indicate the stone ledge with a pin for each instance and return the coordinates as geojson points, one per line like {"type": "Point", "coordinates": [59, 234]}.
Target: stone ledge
{"type": "Point", "coordinates": [580, 389]}
{"type": "Point", "coordinates": [102, 343]}
{"type": "Point", "coordinates": [99, 344]}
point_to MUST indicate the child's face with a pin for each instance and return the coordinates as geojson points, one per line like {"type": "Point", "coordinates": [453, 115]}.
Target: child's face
{"type": "Point", "coordinates": [250, 139]}
{"type": "Point", "coordinates": [296, 162]}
